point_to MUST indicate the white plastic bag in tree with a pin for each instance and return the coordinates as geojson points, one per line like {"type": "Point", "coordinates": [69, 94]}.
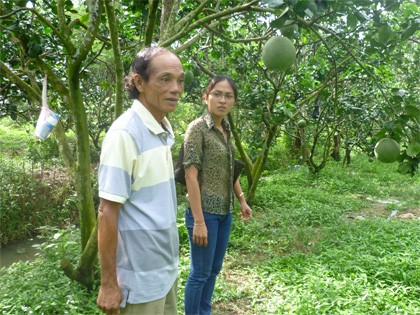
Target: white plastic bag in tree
{"type": "Point", "coordinates": [47, 119]}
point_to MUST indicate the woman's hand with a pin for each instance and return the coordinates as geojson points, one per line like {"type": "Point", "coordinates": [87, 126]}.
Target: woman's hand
{"type": "Point", "coordinates": [246, 211]}
{"type": "Point", "coordinates": [200, 234]}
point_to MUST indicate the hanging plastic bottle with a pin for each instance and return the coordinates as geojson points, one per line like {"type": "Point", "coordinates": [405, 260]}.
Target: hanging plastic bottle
{"type": "Point", "coordinates": [48, 126]}
{"type": "Point", "coordinates": [47, 119]}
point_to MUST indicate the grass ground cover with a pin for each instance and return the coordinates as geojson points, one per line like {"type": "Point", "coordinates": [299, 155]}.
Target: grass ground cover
{"type": "Point", "coordinates": [35, 189]}
{"type": "Point", "coordinates": [316, 245]}
{"type": "Point", "coordinates": [13, 138]}
{"type": "Point", "coordinates": [305, 253]}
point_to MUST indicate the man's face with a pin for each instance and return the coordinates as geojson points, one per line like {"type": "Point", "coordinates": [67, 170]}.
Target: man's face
{"type": "Point", "coordinates": [161, 93]}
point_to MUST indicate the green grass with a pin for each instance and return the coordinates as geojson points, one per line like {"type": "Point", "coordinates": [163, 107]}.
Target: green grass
{"type": "Point", "coordinates": [40, 287]}
{"type": "Point", "coordinates": [366, 267]}
{"type": "Point", "coordinates": [35, 189]}
{"type": "Point", "coordinates": [304, 252]}
{"type": "Point", "coordinates": [13, 137]}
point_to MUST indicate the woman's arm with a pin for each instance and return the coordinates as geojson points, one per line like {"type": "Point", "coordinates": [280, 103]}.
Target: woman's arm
{"type": "Point", "coordinates": [194, 197]}
{"type": "Point", "coordinates": [246, 211]}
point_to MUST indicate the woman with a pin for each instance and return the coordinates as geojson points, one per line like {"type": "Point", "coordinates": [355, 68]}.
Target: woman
{"type": "Point", "coordinates": [209, 165]}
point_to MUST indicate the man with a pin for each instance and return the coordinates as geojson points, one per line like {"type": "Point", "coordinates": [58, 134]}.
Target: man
{"type": "Point", "coordinates": [137, 231]}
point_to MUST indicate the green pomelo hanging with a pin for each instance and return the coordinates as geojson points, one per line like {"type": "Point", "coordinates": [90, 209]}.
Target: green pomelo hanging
{"type": "Point", "coordinates": [279, 53]}
{"type": "Point", "coordinates": [188, 77]}
{"type": "Point", "coordinates": [301, 123]}
{"type": "Point", "coordinates": [387, 150]}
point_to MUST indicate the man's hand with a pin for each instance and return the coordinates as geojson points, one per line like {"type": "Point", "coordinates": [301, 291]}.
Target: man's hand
{"type": "Point", "coordinates": [109, 299]}
{"type": "Point", "coordinates": [110, 295]}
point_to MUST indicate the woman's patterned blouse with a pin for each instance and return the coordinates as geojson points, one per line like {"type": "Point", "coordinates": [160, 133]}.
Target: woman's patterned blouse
{"type": "Point", "coordinates": [207, 149]}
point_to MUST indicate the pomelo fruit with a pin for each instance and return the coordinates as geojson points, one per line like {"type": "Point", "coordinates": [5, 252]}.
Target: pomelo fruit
{"type": "Point", "coordinates": [188, 77]}
{"type": "Point", "coordinates": [278, 53]}
{"type": "Point", "coordinates": [301, 123]}
{"type": "Point", "coordinates": [387, 150]}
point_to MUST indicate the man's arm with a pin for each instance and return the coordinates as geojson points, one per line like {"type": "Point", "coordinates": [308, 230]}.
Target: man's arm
{"type": "Point", "coordinates": [110, 296]}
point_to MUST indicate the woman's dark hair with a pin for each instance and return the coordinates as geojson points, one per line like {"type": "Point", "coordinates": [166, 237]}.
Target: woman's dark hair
{"type": "Point", "coordinates": [218, 78]}
{"type": "Point", "coordinates": [141, 66]}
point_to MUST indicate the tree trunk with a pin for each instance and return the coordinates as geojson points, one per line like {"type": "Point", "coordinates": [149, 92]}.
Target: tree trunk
{"type": "Point", "coordinates": [347, 156]}
{"type": "Point", "coordinates": [83, 180]}
{"type": "Point", "coordinates": [336, 147]}
{"type": "Point", "coordinates": [166, 17]}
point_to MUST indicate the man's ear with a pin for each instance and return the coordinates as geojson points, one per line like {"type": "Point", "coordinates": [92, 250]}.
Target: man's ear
{"type": "Point", "coordinates": [138, 82]}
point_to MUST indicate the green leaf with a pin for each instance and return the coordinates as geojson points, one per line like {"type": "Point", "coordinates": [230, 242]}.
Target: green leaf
{"type": "Point", "coordinates": [352, 20]}
{"type": "Point", "coordinates": [385, 34]}
{"type": "Point", "coordinates": [273, 3]}
{"type": "Point", "coordinates": [84, 19]}
{"type": "Point", "coordinates": [362, 18]}
{"type": "Point", "coordinates": [216, 54]}
{"type": "Point", "coordinates": [278, 23]}
{"type": "Point", "coordinates": [409, 31]}
{"type": "Point", "coordinates": [307, 7]}
{"type": "Point", "coordinates": [413, 112]}
{"type": "Point", "coordinates": [413, 149]}
{"type": "Point", "coordinates": [289, 30]}
{"type": "Point", "coordinates": [389, 126]}
{"type": "Point", "coordinates": [404, 168]}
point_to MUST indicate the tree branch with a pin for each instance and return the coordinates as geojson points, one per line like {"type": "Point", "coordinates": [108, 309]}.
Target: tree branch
{"type": "Point", "coordinates": [97, 36]}
{"type": "Point", "coordinates": [189, 17]}
{"type": "Point", "coordinates": [119, 67]}
{"type": "Point", "coordinates": [228, 39]}
{"type": "Point", "coordinates": [370, 74]}
{"type": "Point", "coordinates": [32, 94]}
{"type": "Point", "coordinates": [206, 20]}
{"type": "Point", "coordinates": [193, 39]}
{"type": "Point", "coordinates": [86, 44]}
{"type": "Point", "coordinates": [332, 56]}
{"type": "Point", "coordinates": [54, 80]}
{"type": "Point", "coordinates": [151, 21]}
{"type": "Point", "coordinates": [63, 26]}
{"type": "Point", "coordinates": [42, 19]}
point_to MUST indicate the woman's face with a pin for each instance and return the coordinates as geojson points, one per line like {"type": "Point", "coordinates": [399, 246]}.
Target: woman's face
{"type": "Point", "coordinates": [221, 99]}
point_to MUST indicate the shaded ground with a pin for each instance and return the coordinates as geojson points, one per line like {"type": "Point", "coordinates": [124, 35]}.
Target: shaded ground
{"type": "Point", "coordinates": [379, 209]}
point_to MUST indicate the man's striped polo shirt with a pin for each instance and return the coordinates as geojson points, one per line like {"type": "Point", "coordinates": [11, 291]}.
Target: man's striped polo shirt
{"type": "Point", "coordinates": [136, 170]}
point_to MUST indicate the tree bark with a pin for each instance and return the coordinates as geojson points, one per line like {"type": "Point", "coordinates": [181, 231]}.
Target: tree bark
{"type": "Point", "coordinates": [119, 67]}
{"type": "Point", "coordinates": [151, 22]}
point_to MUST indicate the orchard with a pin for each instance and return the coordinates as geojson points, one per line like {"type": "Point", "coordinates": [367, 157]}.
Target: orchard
{"type": "Point", "coordinates": [319, 82]}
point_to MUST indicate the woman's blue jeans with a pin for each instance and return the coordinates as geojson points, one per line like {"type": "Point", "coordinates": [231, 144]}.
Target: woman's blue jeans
{"type": "Point", "coordinates": [206, 262]}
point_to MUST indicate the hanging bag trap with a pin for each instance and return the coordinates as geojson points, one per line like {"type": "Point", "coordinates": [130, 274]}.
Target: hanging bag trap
{"type": "Point", "coordinates": [47, 119]}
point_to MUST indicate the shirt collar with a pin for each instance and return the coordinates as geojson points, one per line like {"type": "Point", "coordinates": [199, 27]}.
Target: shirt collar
{"type": "Point", "coordinates": [151, 123]}
{"type": "Point", "coordinates": [210, 123]}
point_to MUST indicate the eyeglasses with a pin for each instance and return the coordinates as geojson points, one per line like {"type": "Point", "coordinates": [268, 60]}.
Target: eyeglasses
{"type": "Point", "coordinates": [220, 95]}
